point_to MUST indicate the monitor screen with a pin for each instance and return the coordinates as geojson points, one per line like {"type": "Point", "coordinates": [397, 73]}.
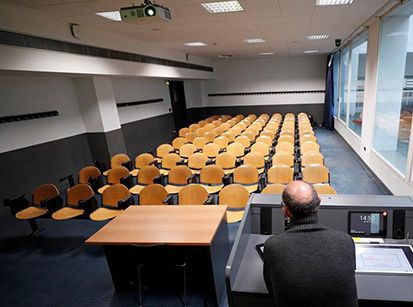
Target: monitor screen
{"type": "Point", "coordinates": [367, 224]}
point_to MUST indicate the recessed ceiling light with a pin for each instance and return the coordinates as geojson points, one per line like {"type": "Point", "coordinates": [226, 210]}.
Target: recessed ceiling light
{"type": "Point", "coordinates": [333, 2]}
{"type": "Point", "coordinates": [317, 37]}
{"type": "Point", "coordinates": [266, 53]}
{"type": "Point", "coordinates": [256, 40]}
{"type": "Point", "coordinates": [222, 7]}
{"type": "Point", "coordinates": [311, 51]}
{"type": "Point", "coordinates": [114, 15]}
{"type": "Point", "coordinates": [225, 56]}
{"type": "Point", "coordinates": [195, 44]}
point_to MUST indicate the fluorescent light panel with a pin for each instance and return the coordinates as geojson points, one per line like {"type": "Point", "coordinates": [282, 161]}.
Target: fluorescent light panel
{"type": "Point", "coordinates": [317, 37]}
{"type": "Point", "coordinates": [256, 40]}
{"type": "Point", "coordinates": [333, 2]}
{"type": "Point", "coordinates": [266, 53]}
{"type": "Point", "coordinates": [195, 44]}
{"type": "Point", "coordinates": [222, 7]}
{"type": "Point", "coordinates": [311, 51]}
{"type": "Point", "coordinates": [114, 15]}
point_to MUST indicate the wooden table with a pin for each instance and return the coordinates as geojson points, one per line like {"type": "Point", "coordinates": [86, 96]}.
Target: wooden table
{"type": "Point", "coordinates": [197, 231]}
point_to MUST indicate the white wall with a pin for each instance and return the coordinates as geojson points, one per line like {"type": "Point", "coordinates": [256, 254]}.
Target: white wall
{"type": "Point", "coordinates": [32, 94]}
{"type": "Point", "coordinates": [264, 75]}
{"type": "Point", "coordinates": [194, 93]}
{"type": "Point", "coordinates": [137, 89]}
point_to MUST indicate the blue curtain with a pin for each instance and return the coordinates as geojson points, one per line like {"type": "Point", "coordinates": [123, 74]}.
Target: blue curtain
{"type": "Point", "coordinates": [329, 95]}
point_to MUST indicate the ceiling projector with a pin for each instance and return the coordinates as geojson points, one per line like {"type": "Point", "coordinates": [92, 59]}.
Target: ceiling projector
{"type": "Point", "coordinates": [147, 11]}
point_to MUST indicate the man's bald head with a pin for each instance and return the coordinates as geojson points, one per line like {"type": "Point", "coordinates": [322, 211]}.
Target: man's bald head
{"type": "Point", "coordinates": [301, 198]}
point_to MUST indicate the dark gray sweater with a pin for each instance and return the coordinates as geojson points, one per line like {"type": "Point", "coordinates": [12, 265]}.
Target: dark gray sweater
{"type": "Point", "coordinates": [310, 265]}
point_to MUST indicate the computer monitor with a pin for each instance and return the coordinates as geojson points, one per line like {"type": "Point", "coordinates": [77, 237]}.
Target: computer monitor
{"type": "Point", "coordinates": [367, 224]}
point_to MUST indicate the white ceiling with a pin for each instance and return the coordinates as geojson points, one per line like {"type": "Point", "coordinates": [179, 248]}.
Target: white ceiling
{"type": "Point", "coordinates": [284, 24]}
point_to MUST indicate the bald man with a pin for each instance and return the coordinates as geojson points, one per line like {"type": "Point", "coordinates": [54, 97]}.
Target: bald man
{"type": "Point", "coordinates": [309, 264]}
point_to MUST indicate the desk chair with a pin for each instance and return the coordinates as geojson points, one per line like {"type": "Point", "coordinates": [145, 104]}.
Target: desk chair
{"type": "Point", "coordinates": [211, 135]}
{"type": "Point", "coordinates": [309, 146]}
{"type": "Point", "coordinates": [322, 188]}
{"type": "Point", "coordinates": [235, 197]}
{"type": "Point", "coordinates": [119, 160]}
{"type": "Point", "coordinates": [286, 138]}
{"type": "Point", "coordinates": [244, 140]}
{"type": "Point", "coordinates": [178, 178]}
{"type": "Point", "coordinates": [230, 135]}
{"type": "Point", "coordinates": [118, 174]}
{"type": "Point", "coordinates": [283, 158]}
{"type": "Point", "coordinates": [211, 126]}
{"type": "Point", "coordinates": [193, 127]}
{"type": "Point", "coordinates": [186, 150]}
{"type": "Point", "coordinates": [211, 150]}
{"type": "Point", "coordinates": [265, 139]}
{"type": "Point", "coordinates": [153, 194]}
{"type": "Point", "coordinates": [280, 173]}
{"type": "Point", "coordinates": [261, 148]}
{"type": "Point", "coordinates": [227, 161]}
{"type": "Point", "coordinates": [80, 201]}
{"type": "Point", "coordinates": [190, 136]}
{"type": "Point", "coordinates": [168, 162]}
{"type": "Point", "coordinates": [202, 123]}
{"type": "Point", "coordinates": [225, 126]}
{"type": "Point", "coordinates": [200, 142]}
{"type": "Point", "coordinates": [91, 175]}
{"type": "Point", "coordinates": [270, 133]}
{"type": "Point", "coordinates": [200, 131]}
{"type": "Point", "coordinates": [316, 173]}
{"type": "Point", "coordinates": [178, 142]}
{"type": "Point", "coordinates": [141, 161]}
{"type": "Point", "coordinates": [146, 176]}
{"type": "Point", "coordinates": [193, 194]}
{"type": "Point", "coordinates": [251, 134]}
{"type": "Point", "coordinates": [211, 178]}
{"type": "Point", "coordinates": [289, 132]}
{"type": "Point", "coordinates": [197, 161]}
{"type": "Point", "coordinates": [221, 141]}
{"type": "Point", "coordinates": [115, 199]}
{"type": "Point", "coordinates": [311, 157]}
{"type": "Point", "coordinates": [284, 147]}
{"type": "Point", "coordinates": [183, 131]}
{"type": "Point", "coordinates": [275, 188]}
{"type": "Point", "coordinates": [307, 138]}
{"type": "Point", "coordinates": [237, 149]}
{"type": "Point", "coordinates": [45, 200]}
{"type": "Point", "coordinates": [238, 128]}
{"type": "Point", "coordinates": [162, 150]}
{"type": "Point", "coordinates": [257, 160]}
{"type": "Point", "coordinates": [247, 175]}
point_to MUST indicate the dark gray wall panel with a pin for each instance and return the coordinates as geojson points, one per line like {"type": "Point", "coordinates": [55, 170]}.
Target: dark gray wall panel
{"type": "Point", "coordinates": [196, 114]}
{"type": "Point", "coordinates": [98, 146]}
{"type": "Point", "coordinates": [24, 169]}
{"type": "Point", "coordinates": [115, 142]}
{"type": "Point", "coordinates": [145, 135]}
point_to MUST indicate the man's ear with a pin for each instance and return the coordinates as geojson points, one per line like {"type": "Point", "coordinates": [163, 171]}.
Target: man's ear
{"type": "Point", "coordinates": [287, 212]}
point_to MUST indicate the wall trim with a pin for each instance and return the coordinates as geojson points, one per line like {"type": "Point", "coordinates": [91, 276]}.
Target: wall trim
{"type": "Point", "coordinates": [135, 103]}
{"type": "Point", "coordinates": [268, 93]}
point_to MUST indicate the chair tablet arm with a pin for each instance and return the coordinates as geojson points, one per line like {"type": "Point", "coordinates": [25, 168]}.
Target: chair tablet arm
{"type": "Point", "coordinates": [124, 203]}
{"type": "Point", "coordinates": [52, 204]}
{"type": "Point", "coordinates": [128, 165]}
{"type": "Point", "coordinates": [191, 179]}
{"type": "Point", "coordinates": [247, 150]}
{"type": "Point", "coordinates": [16, 203]}
{"type": "Point", "coordinates": [127, 181]}
{"type": "Point", "coordinates": [89, 205]}
{"type": "Point", "coordinates": [168, 200]}
{"type": "Point", "coordinates": [209, 200]}
{"type": "Point", "coordinates": [238, 162]}
{"type": "Point", "coordinates": [209, 162]}
{"type": "Point", "coordinates": [158, 179]}
{"type": "Point", "coordinates": [226, 180]}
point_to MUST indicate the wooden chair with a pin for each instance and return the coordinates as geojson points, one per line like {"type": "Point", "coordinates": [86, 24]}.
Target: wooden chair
{"type": "Point", "coordinates": [221, 141]}
{"type": "Point", "coordinates": [284, 147]}
{"type": "Point", "coordinates": [145, 177]}
{"type": "Point", "coordinates": [227, 161]}
{"type": "Point", "coordinates": [183, 131]}
{"type": "Point", "coordinates": [119, 174]}
{"type": "Point", "coordinates": [261, 148]}
{"type": "Point", "coordinates": [115, 199]}
{"type": "Point", "coordinates": [119, 160]}
{"type": "Point", "coordinates": [190, 136]}
{"type": "Point", "coordinates": [235, 197]}
{"type": "Point", "coordinates": [80, 200]}
{"type": "Point", "coordinates": [322, 188]}
{"type": "Point", "coordinates": [275, 188]}
{"type": "Point", "coordinates": [197, 161]}
{"type": "Point", "coordinates": [91, 175]}
{"type": "Point", "coordinates": [316, 173]}
{"type": "Point", "coordinates": [211, 150]}
{"type": "Point", "coordinates": [247, 175]}
{"type": "Point", "coordinates": [289, 132]}
{"type": "Point", "coordinates": [312, 157]}
{"type": "Point", "coordinates": [45, 199]}
{"type": "Point", "coordinates": [211, 178]}
{"type": "Point", "coordinates": [168, 162]}
{"type": "Point", "coordinates": [309, 146]}
{"type": "Point", "coordinates": [193, 127]}
{"type": "Point", "coordinates": [193, 194]}
{"type": "Point", "coordinates": [178, 142]}
{"type": "Point", "coordinates": [271, 134]}
{"type": "Point", "coordinates": [210, 135]}
{"type": "Point", "coordinates": [244, 140]}
{"type": "Point", "coordinates": [211, 126]}
{"type": "Point", "coordinates": [264, 139]}
{"type": "Point", "coordinates": [141, 161]}
{"type": "Point", "coordinates": [178, 178]}
{"type": "Point", "coordinates": [200, 142]}
{"type": "Point", "coordinates": [283, 158]}
{"type": "Point", "coordinates": [200, 131]}
{"type": "Point", "coordinates": [202, 123]}
{"type": "Point", "coordinates": [153, 194]}
{"type": "Point", "coordinates": [257, 160]}
{"type": "Point", "coordinates": [162, 150]}
{"type": "Point", "coordinates": [251, 134]}
{"type": "Point", "coordinates": [236, 149]}
{"type": "Point", "coordinates": [230, 135]}
{"type": "Point", "coordinates": [280, 173]}
{"type": "Point", "coordinates": [307, 138]}
{"type": "Point", "coordinates": [186, 150]}
{"type": "Point", "coordinates": [286, 138]}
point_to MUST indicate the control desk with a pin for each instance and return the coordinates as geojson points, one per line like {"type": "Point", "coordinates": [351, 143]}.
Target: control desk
{"type": "Point", "coordinates": [381, 220]}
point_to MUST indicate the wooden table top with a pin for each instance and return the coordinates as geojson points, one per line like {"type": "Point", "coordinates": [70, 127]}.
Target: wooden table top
{"type": "Point", "coordinates": [172, 225]}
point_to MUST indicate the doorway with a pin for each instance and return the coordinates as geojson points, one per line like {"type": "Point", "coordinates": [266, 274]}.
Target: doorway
{"type": "Point", "coordinates": [177, 94]}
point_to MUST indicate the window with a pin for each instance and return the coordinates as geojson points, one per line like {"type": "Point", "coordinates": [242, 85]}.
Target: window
{"type": "Point", "coordinates": [336, 76]}
{"type": "Point", "coordinates": [345, 57]}
{"type": "Point", "coordinates": [358, 72]}
{"type": "Point", "coordinates": [395, 88]}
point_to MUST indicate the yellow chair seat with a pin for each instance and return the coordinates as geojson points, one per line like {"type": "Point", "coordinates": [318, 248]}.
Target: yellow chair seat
{"type": "Point", "coordinates": [134, 172]}
{"type": "Point", "coordinates": [234, 216]}
{"type": "Point", "coordinates": [173, 189]}
{"type": "Point", "coordinates": [136, 189]}
{"type": "Point", "coordinates": [211, 189]}
{"type": "Point", "coordinates": [251, 188]}
{"type": "Point", "coordinates": [31, 213]}
{"type": "Point", "coordinates": [102, 189]}
{"type": "Point", "coordinates": [261, 170]}
{"type": "Point", "coordinates": [105, 173]}
{"type": "Point", "coordinates": [102, 214]}
{"type": "Point", "coordinates": [229, 171]}
{"type": "Point", "coordinates": [164, 171]}
{"type": "Point", "coordinates": [67, 213]}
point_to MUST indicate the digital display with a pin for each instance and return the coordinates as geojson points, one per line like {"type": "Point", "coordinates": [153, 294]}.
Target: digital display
{"type": "Point", "coordinates": [367, 224]}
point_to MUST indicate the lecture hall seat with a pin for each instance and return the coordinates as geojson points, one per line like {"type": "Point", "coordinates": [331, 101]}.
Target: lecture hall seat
{"type": "Point", "coordinates": [193, 194]}
{"type": "Point", "coordinates": [235, 197]}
